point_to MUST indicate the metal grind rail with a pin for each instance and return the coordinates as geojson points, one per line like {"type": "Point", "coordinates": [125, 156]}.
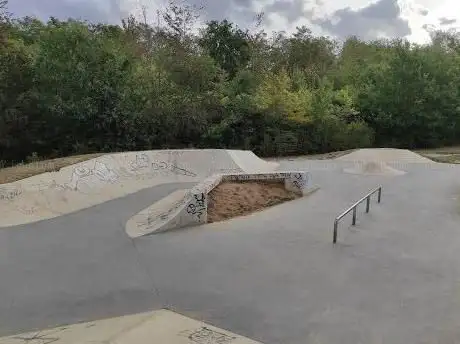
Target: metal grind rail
{"type": "Point", "coordinates": [353, 208]}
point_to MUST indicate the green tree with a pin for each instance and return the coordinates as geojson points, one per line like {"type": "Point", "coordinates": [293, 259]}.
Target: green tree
{"type": "Point", "coordinates": [227, 45]}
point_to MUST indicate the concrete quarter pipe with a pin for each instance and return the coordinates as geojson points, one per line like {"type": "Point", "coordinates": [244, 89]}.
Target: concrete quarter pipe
{"type": "Point", "coordinates": [112, 176]}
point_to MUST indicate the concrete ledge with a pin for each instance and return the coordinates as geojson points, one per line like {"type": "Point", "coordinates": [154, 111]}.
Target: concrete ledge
{"type": "Point", "coordinates": [191, 209]}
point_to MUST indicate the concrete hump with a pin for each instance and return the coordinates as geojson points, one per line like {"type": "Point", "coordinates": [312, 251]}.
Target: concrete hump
{"type": "Point", "coordinates": [112, 176]}
{"type": "Point", "coordinates": [374, 168]}
{"type": "Point", "coordinates": [386, 155]}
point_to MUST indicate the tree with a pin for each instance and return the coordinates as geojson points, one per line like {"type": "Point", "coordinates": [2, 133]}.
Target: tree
{"type": "Point", "coordinates": [3, 10]}
{"type": "Point", "coordinates": [180, 18]}
{"type": "Point", "coordinates": [227, 45]}
{"type": "Point", "coordinates": [4, 19]}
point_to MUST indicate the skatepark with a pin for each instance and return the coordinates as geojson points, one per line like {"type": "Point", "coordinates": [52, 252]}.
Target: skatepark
{"type": "Point", "coordinates": [111, 243]}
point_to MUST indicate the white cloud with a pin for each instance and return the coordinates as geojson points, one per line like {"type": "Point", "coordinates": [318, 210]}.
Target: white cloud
{"type": "Point", "coordinates": [365, 18]}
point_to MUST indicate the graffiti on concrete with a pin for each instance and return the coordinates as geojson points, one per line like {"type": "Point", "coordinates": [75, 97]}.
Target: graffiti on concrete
{"type": "Point", "coordinates": [153, 218]}
{"type": "Point", "coordinates": [27, 210]}
{"type": "Point", "coordinates": [38, 338]}
{"type": "Point", "coordinates": [84, 174]}
{"type": "Point", "coordinates": [197, 205]}
{"type": "Point", "coordinates": [299, 180]}
{"type": "Point", "coordinates": [205, 335]}
{"type": "Point", "coordinates": [162, 165]}
{"type": "Point", "coordinates": [142, 161]}
{"type": "Point", "coordinates": [257, 176]}
{"type": "Point", "coordinates": [182, 171]}
{"type": "Point", "coordinates": [9, 194]}
{"type": "Point", "coordinates": [104, 173]}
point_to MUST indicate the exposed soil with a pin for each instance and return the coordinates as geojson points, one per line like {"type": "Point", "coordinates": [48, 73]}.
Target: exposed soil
{"type": "Point", "coordinates": [449, 155]}
{"type": "Point", "coordinates": [450, 158]}
{"type": "Point", "coordinates": [324, 156]}
{"type": "Point", "coordinates": [233, 199]}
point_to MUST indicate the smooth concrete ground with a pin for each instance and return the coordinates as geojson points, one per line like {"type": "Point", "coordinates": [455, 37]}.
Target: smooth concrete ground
{"type": "Point", "coordinates": [273, 276]}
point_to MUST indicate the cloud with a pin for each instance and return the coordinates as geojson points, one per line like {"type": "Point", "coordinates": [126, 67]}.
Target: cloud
{"type": "Point", "coordinates": [108, 11]}
{"type": "Point", "coordinates": [292, 10]}
{"type": "Point", "coordinates": [423, 11]}
{"type": "Point", "coordinates": [382, 18]}
{"type": "Point", "coordinates": [446, 21]}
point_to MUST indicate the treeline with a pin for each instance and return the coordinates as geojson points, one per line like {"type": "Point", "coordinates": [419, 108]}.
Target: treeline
{"type": "Point", "coordinates": [70, 87]}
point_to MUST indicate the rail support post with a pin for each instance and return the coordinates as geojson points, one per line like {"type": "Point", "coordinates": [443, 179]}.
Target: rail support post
{"type": "Point", "coordinates": [354, 216]}
{"type": "Point", "coordinates": [336, 224]}
{"type": "Point", "coordinates": [368, 203]}
{"type": "Point", "coordinates": [380, 194]}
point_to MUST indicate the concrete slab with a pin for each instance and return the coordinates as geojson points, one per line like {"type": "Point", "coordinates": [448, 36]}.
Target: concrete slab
{"type": "Point", "coordinates": [161, 326]}
{"type": "Point", "coordinates": [273, 276]}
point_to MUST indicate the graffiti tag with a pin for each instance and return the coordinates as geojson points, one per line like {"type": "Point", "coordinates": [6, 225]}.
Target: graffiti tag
{"type": "Point", "coordinates": [198, 206]}
{"type": "Point", "coordinates": [205, 335]}
{"type": "Point", "coordinates": [9, 195]}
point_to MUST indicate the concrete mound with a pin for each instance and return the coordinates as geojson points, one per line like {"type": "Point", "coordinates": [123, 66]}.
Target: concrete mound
{"type": "Point", "coordinates": [112, 176]}
{"type": "Point", "coordinates": [374, 168]}
{"type": "Point", "coordinates": [387, 155]}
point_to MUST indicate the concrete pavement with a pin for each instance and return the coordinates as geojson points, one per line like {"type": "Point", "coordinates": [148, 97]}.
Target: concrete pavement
{"type": "Point", "coordinates": [273, 276]}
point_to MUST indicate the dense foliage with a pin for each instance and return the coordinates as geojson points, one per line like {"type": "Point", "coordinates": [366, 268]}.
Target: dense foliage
{"type": "Point", "coordinates": [71, 87]}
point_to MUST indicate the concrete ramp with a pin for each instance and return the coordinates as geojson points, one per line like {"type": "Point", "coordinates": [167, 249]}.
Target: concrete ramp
{"type": "Point", "coordinates": [112, 176]}
{"type": "Point", "coordinates": [158, 327]}
{"type": "Point", "coordinates": [251, 163]}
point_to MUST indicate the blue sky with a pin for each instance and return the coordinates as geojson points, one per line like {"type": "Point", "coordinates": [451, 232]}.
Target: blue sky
{"type": "Point", "coordinates": [367, 19]}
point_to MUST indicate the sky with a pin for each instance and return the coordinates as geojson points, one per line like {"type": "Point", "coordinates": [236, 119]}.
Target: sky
{"type": "Point", "coordinates": [367, 19]}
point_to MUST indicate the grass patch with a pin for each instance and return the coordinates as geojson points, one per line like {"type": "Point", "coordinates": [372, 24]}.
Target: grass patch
{"type": "Point", "coordinates": [447, 159]}
{"type": "Point", "coordinates": [447, 155]}
{"type": "Point", "coordinates": [453, 158]}
{"type": "Point", "coordinates": [324, 156]}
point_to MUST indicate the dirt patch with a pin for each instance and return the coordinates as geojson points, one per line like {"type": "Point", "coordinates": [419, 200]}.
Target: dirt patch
{"type": "Point", "coordinates": [447, 155]}
{"type": "Point", "coordinates": [233, 199]}
{"type": "Point", "coordinates": [445, 158]}
{"type": "Point", "coordinates": [22, 171]}
{"type": "Point", "coordinates": [324, 156]}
